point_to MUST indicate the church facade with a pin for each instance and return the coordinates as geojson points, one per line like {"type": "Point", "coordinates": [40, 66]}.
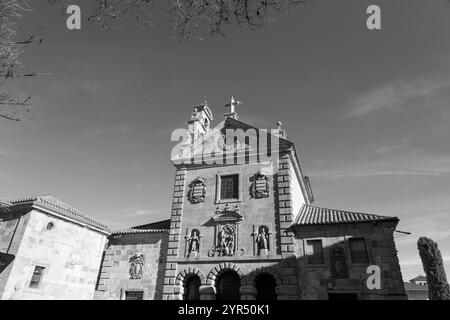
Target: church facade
{"type": "Point", "coordinates": [244, 225]}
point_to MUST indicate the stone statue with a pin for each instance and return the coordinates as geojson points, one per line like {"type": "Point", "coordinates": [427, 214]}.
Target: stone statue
{"type": "Point", "coordinates": [194, 241]}
{"type": "Point", "coordinates": [262, 239]}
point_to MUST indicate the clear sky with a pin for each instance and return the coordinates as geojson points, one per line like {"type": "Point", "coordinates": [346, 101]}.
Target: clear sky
{"type": "Point", "coordinates": [368, 110]}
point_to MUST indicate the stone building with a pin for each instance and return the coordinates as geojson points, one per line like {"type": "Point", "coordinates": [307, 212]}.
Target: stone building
{"type": "Point", "coordinates": [48, 250]}
{"type": "Point", "coordinates": [417, 288]}
{"type": "Point", "coordinates": [133, 263]}
{"type": "Point", "coordinates": [244, 225]}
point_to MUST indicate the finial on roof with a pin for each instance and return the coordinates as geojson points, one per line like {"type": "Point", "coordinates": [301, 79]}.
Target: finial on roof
{"type": "Point", "coordinates": [232, 105]}
{"type": "Point", "coordinates": [281, 131]}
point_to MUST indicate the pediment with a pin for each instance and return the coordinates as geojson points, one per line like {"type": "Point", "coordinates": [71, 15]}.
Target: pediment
{"type": "Point", "coordinates": [229, 137]}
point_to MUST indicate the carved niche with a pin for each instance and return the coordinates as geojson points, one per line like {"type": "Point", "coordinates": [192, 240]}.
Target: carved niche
{"type": "Point", "coordinates": [137, 266]}
{"type": "Point", "coordinates": [197, 191]}
{"type": "Point", "coordinates": [259, 187]}
{"type": "Point", "coordinates": [226, 223]}
{"type": "Point", "coordinates": [338, 264]}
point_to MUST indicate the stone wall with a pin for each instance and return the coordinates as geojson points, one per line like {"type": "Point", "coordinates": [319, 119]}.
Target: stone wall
{"type": "Point", "coordinates": [316, 281]}
{"type": "Point", "coordinates": [114, 278]}
{"type": "Point", "coordinates": [12, 228]}
{"type": "Point", "coordinates": [275, 211]}
{"type": "Point", "coordinates": [70, 253]}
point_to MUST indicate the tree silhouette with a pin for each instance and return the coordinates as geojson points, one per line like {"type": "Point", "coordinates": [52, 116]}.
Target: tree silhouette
{"type": "Point", "coordinates": [434, 269]}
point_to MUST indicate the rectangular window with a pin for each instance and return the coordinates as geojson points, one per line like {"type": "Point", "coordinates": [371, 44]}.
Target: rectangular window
{"type": "Point", "coordinates": [229, 187]}
{"type": "Point", "coordinates": [134, 295]}
{"type": "Point", "coordinates": [37, 277]}
{"type": "Point", "coordinates": [358, 250]}
{"type": "Point", "coordinates": [314, 251]}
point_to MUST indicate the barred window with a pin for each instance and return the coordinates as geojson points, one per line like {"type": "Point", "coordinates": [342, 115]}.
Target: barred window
{"type": "Point", "coordinates": [229, 187]}
{"type": "Point", "coordinates": [314, 251]}
{"type": "Point", "coordinates": [37, 277]}
{"type": "Point", "coordinates": [134, 295]}
{"type": "Point", "coordinates": [358, 250]}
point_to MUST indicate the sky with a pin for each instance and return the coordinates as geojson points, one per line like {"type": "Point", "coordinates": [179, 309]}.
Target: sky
{"type": "Point", "coordinates": [368, 110]}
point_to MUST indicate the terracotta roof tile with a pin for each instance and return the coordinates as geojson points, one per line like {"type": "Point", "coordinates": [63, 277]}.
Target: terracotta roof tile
{"type": "Point", "coordinates": [154, 227]}
{"type": "Point", "coordinates": [51, 203]}
{"type": "Point", "coordinates": [312, 215]}
{"type": "Point", "coordinates": [164, 224]}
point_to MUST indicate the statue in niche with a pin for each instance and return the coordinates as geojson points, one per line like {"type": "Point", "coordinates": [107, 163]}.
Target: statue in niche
{"type": "Point", "coordinates": [262, 239]}
{"type": "Point", "coordinates": [193, 242]}
{"type": "Point", "coordinates": [338, 264]}
{"type": "Point", "coordinates": [259, 187]}
{"type": "Point", "coordinates": [136, 266]}
{"type": "Point", "coordinates": [197, 191]}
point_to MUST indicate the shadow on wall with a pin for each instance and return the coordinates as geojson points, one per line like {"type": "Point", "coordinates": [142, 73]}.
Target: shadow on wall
{"type": "Point", "coordinates": [334, 272]}
{"type": "Point", "coordinates": [5, 261]}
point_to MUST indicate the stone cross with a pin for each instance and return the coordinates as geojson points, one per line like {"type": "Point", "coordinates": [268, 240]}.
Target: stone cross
{"type": "Point", "coordinates": [233, 103]}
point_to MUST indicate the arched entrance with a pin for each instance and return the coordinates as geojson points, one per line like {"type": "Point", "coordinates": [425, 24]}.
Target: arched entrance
{"type": "Point", "coordinates": [192, 288]}
{"type": "Point", "coordinates": [265, 287]}
{"type": "Point", "coordinates": [228, 285]}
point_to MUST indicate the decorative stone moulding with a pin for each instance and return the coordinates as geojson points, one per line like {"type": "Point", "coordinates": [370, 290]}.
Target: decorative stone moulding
{"type": "Point", "coordinates": [226, 222]}
{"type": "Point", "coordinates": [259, 187]}
{"type": "Point", "coordinates": [197, 191]}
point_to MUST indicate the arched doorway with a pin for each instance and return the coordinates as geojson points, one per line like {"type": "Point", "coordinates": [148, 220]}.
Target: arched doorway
{"type": "Point", "coordinates": [192, 288]}
{"type": "Point", "coordinates": [228, 285]}
{"type": "Point", "coordinates": [265, 286]}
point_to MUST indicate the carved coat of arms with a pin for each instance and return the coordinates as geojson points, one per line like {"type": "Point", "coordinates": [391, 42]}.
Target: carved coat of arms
{"type": "Point", "coordinates": [197, 191]}
{"type": "Point", "coordinates": [259, 186]}
{"type": "Point", "coordinates": [137, 266]}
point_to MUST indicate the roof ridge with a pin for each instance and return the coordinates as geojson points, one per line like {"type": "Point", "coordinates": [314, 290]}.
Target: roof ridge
{"type": "Point", "coordinates": [138, 231]}
{"type": "Point", "coordinates": [347, 211]}
{"type": "Point", "coordinates": [313, 215]}
{"type": "Point", "coordinates": [51, 201]}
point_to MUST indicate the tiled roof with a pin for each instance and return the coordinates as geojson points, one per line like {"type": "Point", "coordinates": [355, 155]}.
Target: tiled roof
{"type": "Point", "coordinates": [312, 215]}
{"type": "Point", "coordinates": [159, 226]}
{"type": "Point", "coordinates": [415, 287]}
{"type": "Point", "coordinates": [51, 203]}
{"type": "Point", "coordinates": [418, 278]}
{"type": "Point", "coordinates": [138, 231]}
{"type": "Point", "coordinates": [164, 224]}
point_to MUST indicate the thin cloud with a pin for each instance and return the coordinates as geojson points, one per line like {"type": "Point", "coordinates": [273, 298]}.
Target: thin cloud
{"type": "Point", "coordinates": [414, 262]}
{"type": "Point", "coordinates": [408, 163]}
{"type": "Point", "coordinates": [121, 129]}
{"type": "Point", "coordinates": [392, 95]}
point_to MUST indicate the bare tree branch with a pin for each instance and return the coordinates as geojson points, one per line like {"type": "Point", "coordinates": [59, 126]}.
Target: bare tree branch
{"type": "Point", "coordinates": [11, 50]}
{"type": "Point", "coordinates": [188, 15]}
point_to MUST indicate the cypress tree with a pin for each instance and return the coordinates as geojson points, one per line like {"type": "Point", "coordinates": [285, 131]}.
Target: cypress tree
{"type": "Point", "coordinates": [438, 288]}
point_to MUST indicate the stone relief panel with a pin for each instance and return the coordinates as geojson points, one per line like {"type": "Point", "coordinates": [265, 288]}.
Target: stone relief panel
{"type": "Point", "coordinates": [226, 224]}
